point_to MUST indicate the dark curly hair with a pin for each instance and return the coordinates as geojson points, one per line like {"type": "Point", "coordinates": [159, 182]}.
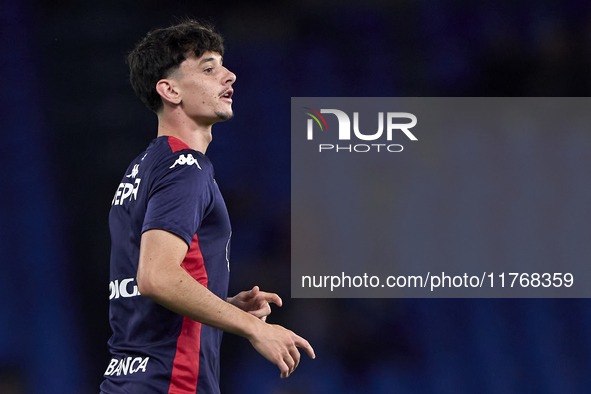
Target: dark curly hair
{"type": "Point", "coordinates": [163, 50]}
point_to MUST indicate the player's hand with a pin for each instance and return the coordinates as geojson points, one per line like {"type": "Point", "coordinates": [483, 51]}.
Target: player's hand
{"type": "Point", "coordinates": [256, 302]}
{"type": "Point", "coordinates": [280, 346]}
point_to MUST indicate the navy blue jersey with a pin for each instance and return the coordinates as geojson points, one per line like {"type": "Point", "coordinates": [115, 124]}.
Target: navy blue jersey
{"type": "Point", "coordinates": [154, 350]}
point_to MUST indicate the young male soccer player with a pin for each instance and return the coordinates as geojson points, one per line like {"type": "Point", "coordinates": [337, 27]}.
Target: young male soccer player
{"type": "Point", "coordinates": [170, 233]}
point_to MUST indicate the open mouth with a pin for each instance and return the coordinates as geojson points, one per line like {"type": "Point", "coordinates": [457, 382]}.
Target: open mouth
{"type": "Point", "coordinates": [228, 94]}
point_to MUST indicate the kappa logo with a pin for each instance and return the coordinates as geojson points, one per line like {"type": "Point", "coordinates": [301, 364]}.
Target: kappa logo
{"type": "Point", "coordinates": [134, 172]}
{"type": "Point", "coordinates": [188, 160]}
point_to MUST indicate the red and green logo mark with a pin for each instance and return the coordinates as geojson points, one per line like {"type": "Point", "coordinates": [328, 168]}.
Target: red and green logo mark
{"type": "Point", "coordinates": [316, 118]}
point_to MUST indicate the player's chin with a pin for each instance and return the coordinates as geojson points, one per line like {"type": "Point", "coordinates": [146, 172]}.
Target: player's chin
{"type": "Point", "coordinates": [225, 115]}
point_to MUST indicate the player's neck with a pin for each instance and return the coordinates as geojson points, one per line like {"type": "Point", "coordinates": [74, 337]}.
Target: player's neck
{"type": "Point", "coordinates": [196, 136]}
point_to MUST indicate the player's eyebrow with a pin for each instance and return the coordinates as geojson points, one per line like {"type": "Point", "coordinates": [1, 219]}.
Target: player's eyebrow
{"type": "Point", "coordinates": [210, 59]}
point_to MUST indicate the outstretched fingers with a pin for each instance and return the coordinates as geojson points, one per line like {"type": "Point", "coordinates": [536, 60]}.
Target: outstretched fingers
{"type": "Point", "coordinates": [263, 296]}
{"type": "Point", "coordinates": [295, 356]}
{"type": "Point", "coordinates": [281, 346]}
{"type": "Point", "coordinates": [303, 344]}
{"type": "Point", "coordinates": [273, 298]}
{"type": "Point", "coordinates": [292, 359]}
{"type": "Point", "coordinates": [270, 298]}
{"type": "Point", "coordinates": [260, 303]}
{"type": "Point", "coordinates": [284, 368]}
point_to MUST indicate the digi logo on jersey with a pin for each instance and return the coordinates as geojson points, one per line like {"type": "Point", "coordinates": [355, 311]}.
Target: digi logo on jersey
{"type": "Point", "coordinates": [122, 289]}
{"type": "Point", "coordinates": [344, 131]}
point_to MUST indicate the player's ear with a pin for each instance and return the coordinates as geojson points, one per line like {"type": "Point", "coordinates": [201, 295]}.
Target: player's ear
{"type": "Point", "coordinates": [168, 90]}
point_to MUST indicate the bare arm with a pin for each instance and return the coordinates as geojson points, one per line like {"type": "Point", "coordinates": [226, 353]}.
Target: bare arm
{"type": "Point", "coordinates": [161, 278]}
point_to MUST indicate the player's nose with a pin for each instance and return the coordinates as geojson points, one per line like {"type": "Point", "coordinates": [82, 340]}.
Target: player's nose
{"type": "Point", "coordinates": [230, 77]}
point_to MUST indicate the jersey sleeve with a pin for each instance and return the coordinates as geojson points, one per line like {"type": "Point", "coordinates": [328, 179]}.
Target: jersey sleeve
{"type": "Point", "coordinates": [178, 201]}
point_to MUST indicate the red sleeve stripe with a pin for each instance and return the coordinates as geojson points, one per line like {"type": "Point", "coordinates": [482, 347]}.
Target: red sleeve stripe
{"type": "Point", "coordinates": [185, 368]}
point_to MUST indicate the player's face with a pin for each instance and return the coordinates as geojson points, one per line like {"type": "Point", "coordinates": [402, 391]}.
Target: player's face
{"type": "Point", "coordinates": [206, 88]}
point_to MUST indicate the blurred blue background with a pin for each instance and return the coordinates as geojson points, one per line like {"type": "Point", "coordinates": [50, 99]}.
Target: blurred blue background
{"type": "Point", "coordinates": [71, 124]}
